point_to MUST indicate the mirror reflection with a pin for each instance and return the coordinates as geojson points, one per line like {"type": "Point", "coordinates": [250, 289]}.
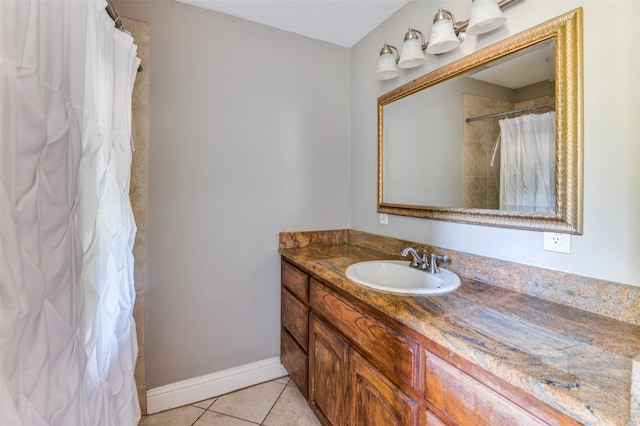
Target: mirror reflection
{"type": "Point", "coordinates": [482, 140]}
{"type": "Point", "coordinates": [494, 138]}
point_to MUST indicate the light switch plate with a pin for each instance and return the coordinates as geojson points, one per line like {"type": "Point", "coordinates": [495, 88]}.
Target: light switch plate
{"type": "Point", "coordinates": [384, 219]}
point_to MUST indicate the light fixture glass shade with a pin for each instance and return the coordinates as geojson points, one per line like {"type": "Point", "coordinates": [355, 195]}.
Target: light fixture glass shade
{"type": "Point", "coordinates": [412, 55]}
{"type": "Point", "coordinates": [486, 16]}
{"type": "Point", "coordinates": [443, 38]}
{"type": "Point", "coordinates": [387, 68]}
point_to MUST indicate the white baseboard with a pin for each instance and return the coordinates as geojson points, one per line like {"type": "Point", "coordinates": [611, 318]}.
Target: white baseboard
{"type": "Point", "coordinates": [204, 387]}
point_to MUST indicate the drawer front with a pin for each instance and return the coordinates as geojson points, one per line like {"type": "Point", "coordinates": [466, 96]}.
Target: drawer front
{"type": "Point", "coordinates": [467, 401]}
{"type": "Point", "coordinates": [295, 361]}
{"type": "Point", "coordinates": [390, 350]}
{"type": "Point", "coordinates": [295, 280]}
{"type": "Point", "coordinates": [295, 318]}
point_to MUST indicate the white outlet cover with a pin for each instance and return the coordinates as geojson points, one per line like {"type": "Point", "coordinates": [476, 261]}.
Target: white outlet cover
{"type": "Point", "coordinates": [557, 242]}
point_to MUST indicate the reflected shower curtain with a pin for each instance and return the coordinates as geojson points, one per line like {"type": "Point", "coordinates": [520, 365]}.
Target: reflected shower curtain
{"type": "Point", "coordinates": [67, 336]}
{"type": "Point", "coordinates": [527, 163]}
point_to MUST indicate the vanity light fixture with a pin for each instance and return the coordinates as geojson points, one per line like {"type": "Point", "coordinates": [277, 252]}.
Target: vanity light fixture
{"type": "Point", "coordinates": [412, 47]}
{"type": "Point", "coordinates": [446, 35]}
{"type": "Point", "coordinates": [387, 68]}
{"type": "Point", "coordinates": [486, 15]}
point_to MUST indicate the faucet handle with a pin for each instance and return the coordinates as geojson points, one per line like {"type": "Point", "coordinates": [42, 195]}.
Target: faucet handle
{"type": "Point", "coordinates": [433, 265]}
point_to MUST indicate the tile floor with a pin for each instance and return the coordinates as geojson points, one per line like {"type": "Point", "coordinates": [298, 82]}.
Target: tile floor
{"type": "Point", "coordinates": [274, 403]}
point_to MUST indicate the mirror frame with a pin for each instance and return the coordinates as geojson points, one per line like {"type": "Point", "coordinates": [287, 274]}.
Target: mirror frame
{"type": "Point", "coordinates": [567, 30]}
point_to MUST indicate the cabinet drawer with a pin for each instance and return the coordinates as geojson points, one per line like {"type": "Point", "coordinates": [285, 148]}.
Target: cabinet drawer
{"type": "Point", "coordinates": [295, 280]}
{"type": "Point", "coordinates": [295, 318]}
{"type": "Point", "coordinates": [467, 401]}
{"type": "Point", "coordinates": [295, 361]}
{"type": "Point", "coordinates": [390, 350]}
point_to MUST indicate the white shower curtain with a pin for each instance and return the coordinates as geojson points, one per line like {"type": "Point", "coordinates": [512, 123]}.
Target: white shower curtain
{"type": "Point", "coordinates": [67, 336]}
{"type": "Point", "coordinates": [527, 163]}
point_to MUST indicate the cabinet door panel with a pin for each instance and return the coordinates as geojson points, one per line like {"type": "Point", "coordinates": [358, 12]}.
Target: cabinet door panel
{"type": "Point", "coordinates": [376, 401]}
{"type": "Point", "coordinates": [327, 373]}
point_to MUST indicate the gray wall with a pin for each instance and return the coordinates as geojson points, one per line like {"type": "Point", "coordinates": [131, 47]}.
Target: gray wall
{"type": "Point", "coordinates": [610, 246]}
{"type": "Point", "coordinates": [250, 130]}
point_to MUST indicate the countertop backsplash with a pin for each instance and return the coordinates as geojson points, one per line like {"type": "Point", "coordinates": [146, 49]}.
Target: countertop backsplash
{"type": "Point", "coordinates": [607, 298]}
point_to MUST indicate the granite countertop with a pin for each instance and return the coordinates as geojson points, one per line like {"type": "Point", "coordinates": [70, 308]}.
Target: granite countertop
{"type": "Point", "coordinates": [576, 361]}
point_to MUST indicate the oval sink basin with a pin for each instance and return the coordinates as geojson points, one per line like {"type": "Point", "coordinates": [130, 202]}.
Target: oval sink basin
{"type": "Point", "coordinates": [396, 276]}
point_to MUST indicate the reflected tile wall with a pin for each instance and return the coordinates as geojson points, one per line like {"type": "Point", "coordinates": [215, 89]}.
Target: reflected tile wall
{"type": "Point", "coordinates": [139, 193]}
{"type": "Point", "coordinates": [481, 177]}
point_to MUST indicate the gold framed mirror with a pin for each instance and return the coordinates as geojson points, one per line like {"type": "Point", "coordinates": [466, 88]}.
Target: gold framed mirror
{"type": "Point", "coordinates": [425, 171]}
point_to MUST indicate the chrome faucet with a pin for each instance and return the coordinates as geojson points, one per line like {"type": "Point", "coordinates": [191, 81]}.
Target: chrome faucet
{"type": "Point", "coordinates": [422, 262]}
{"type": "Point", "coordinates": [417, 262]}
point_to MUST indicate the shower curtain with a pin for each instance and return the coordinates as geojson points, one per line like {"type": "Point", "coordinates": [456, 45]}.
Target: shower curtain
{"type": "Point", "coordinates": [527, 163]}
{"type": "Point", "coordinates": [67, 336]}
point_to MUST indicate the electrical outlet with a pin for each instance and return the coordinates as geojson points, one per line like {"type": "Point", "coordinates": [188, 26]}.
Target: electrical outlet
{"type": "Point", "coordinates": [554, 241]}
{"type": "Point", "coordinates": [384, 219]}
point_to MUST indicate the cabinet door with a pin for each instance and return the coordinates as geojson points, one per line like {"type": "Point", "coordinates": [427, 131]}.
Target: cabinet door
{"type": "Point", "coordinates": [374, 400]}
{"type": "Point", "coordinates": [327, 373]}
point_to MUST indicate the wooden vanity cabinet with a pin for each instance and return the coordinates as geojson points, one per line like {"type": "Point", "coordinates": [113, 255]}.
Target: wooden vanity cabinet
{"type": "Point", "coordinates": [344, 386]}
{"type": "Point", "coordinates": [357, 369]}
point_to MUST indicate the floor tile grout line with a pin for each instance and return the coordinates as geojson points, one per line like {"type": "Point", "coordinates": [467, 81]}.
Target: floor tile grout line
{"type": "Point", "coordinates": [234, 417]}
{"type": "Point", "coordinates": [201, 414]}
{"type": "Point", "coordinates": [208, 406]}
{"type": "Point", "coordinates": [204, 410]}
{"type": "Point", "coordinates": [274, 404]}
{"type": "Point", "coordinates": [284, 386]}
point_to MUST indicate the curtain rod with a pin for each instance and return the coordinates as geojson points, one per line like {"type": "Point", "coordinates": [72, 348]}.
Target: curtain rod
{"type": "Point", "coordinates": [501, 114]}
{"type": "Point", "coordinates": [115, 15]}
